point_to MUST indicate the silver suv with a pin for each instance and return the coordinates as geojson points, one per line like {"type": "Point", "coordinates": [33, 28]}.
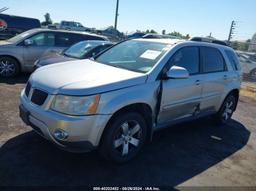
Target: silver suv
{"type": "Point", "coordinates": [19, 53]}
{"type": "Point", "coordinates": [118, 100]}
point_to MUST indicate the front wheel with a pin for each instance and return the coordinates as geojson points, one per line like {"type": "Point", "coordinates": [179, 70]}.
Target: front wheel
{"type": "Point", "coordinates": [227, 109]}
{"type": "Point", "coordinates": [124, 137]}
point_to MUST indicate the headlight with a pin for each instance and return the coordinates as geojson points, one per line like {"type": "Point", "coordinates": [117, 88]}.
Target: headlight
{"type": "Point", "coordinates": [75, 105]}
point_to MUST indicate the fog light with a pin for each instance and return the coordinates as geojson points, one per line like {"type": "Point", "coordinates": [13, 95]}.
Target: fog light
{"type": "Point", "coordinates": [60, 134]}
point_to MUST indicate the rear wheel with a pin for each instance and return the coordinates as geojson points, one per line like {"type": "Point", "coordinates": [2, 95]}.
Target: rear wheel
{"type": "Point", "coordinates": [124, 137]}
{"type": "Point", "coordinates": [9, 67]}
{"type": "Point", "coordinates": [227, 109]}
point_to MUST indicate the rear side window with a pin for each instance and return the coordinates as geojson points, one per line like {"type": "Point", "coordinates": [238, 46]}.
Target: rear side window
{"type": "Point", "coordinates": [91, 37]}
{"type": "Point", "coordinates": [63, 39]}
{"type": "Point", "coordinates": [233, 59]}
{"type": "Point", "coordinates": [68, 39]}
{"type": "Point", "coordinates": [188, 58]}
{"type": "Point", "coordinates": [212, 60]}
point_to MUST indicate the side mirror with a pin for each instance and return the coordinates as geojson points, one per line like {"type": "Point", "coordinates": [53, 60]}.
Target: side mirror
{"type": "Point", "coordinates": [177, 72]}
{"type": "Point", "coordinates": [28, 42]}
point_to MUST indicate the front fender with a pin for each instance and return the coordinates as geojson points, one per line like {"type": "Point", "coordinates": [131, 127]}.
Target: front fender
{"type": "Point", "coordinates": [113, 101]}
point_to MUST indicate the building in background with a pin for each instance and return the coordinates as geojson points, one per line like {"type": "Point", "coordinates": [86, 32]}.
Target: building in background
{"type": "Point", "coordinates": [252, 47]}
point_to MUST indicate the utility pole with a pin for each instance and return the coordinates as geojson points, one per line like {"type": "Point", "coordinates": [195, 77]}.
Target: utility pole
{"type": "Point", "coordinates": [3, 9]}
{"type": "Point", "coordinates": [117, 7]}
{"type": "Point", "coordinates": [231, 32]}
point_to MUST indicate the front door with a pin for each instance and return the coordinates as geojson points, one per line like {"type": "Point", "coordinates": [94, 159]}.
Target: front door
{"type": "Point", "coordinates": [42, 44]}
{"type": "Point", "coordinates": [181, 97]}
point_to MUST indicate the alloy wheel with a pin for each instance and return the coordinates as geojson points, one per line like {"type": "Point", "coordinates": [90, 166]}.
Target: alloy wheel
{"type": "Point", "coordinates": [7, 68]}
{"type": "Point", "coordinates": [228, 110]}
{"type": "Point", "coordinates": [127, 138]}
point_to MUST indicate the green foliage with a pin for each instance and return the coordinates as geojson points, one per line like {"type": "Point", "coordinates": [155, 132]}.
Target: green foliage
{"type": "Point", "coordinates": [179, 35]}
{"type": "Point", "coordinates": [242, 46]}
{"type": "Point", "coordinates": [48, 20]}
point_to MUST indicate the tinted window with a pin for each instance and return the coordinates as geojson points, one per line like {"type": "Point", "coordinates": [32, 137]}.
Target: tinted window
{"type": "Point", "coordinates": [233, 59]}
{"type": "Point", "coordinates": [63, 39]}
{"type": "Point", "coordinates": [212, 60]}
{"type": "Point", "coordinates": [187, 58]}
{"type": "Point", "coordinates": [43, 39]}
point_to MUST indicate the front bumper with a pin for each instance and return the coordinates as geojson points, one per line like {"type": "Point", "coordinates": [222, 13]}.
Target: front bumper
{"type": "Point", "coordinates": [83, 132]}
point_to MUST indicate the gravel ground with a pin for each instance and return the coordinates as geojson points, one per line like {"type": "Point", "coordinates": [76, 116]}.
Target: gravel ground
{"type": "Point", "coordinates": [198, 153]}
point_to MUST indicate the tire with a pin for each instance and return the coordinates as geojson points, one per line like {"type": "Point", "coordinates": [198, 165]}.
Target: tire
{"type": "Point", "coordinates": [124, 137]}
{"type": "Point", "coordinates": [253, 74]}
{"type": "Point", "coordinates": [227, 109]}
{"type": "Point", "coordinates": [9, 67]}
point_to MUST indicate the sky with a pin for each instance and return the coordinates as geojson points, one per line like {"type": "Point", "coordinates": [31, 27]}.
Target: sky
{"type": "Point", "coordinates": [194, 17]}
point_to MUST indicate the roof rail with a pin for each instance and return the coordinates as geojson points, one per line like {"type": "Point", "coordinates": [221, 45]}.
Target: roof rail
{"type": "Point", "coordinates": [209, 40]}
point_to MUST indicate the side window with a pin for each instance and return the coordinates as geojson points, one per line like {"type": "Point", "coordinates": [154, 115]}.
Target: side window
{"type": "Point", "coordinates": [233, 59]}
{"type": "Point", "coordinates": [63, 39]}
{"type": "Point", "coordinates": [77, 38]}
{"type": "Point", "coordinates": [43, 39]}
{"type": "Point", "coordinates": [188, 58]}
{"type": "Point", "coordinates": [212, 60]}
{"type": "Point", "coordinates": [90, 37]}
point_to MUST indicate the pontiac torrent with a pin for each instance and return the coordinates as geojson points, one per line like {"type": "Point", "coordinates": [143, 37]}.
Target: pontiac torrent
{"type": "Point", "coordinates": [116, 101]}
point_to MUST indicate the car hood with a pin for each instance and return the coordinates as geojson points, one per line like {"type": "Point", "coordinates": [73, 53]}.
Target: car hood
{"type": "Point", "coordinates": [53, 59]}
{"type": "Point", "coordinates": [5, 43]}
{"type": "Point", "coordinates": [84, 77]}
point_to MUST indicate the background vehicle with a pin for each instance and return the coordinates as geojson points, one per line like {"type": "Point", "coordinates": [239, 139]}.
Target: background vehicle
{"type": "Point", "coordinates": [154, 36]}
{"type": "Point", "coordinates": [81, 50]}
{"type": "Point", "coordinates": [13, 25]}
{"type": "Point", "coordinates": [19, 53]}
{"type": "Point", "coordinates": [248, 65]}
{"type": "Point", "coordinates": [116, 101]}
{"type": "Point", "coordinates": [136, 35]}
{"type": "Point", "coordinates": [71, 25]}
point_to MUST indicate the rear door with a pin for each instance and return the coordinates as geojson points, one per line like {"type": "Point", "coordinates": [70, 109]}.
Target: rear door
{"type": "Point", "coordinates": [42, 44]}
{"type": "Point", "coordinates": [214, 77]}
{"type": "Point", "coordinates": [181, 97]}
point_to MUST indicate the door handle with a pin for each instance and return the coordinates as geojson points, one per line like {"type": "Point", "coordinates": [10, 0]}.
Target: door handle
{"type": "Point", "coordinates": [197, 82]}
{"type": "Point", "coordinates": [225, 77]}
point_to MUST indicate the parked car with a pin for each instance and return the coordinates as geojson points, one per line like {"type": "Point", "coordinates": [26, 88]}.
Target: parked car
{"type": "Point", "coordinates": [136, 35]}
{"type": "Point", "coordinates": [248, 66]}
{"type": "Point", "coordinates": [153, 35]}
{"type": "Point", "coordinates": [19, 53]}
{"type": "Point", "coordinates": [81, 50]}
{"type": "Point", "coordinates": [71, 25]}
{"type": "Point", "coordinates": [118, 100]}
{"type": "Point", "coordinates": [112, 33]}
{"type": "Point", "coordinates": [12, 25]}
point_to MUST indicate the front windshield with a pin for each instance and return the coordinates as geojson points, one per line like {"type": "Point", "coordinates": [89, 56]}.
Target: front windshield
{"type": "Point", "coordinates": [21, 36]}
{"type": "Point", "coordinates": [134, 55]}
{"type": "Point", "coordinates": [80, 49]}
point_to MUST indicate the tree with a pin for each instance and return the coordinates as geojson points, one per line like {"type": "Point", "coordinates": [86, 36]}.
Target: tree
{"type": "Point", "coordinates": [242, 46]}
{"type": "Point", "coordinates": [48, 20]}
{"type": "Point", "coordinates": [187, 36]}
{"type": "Point", "coordinates": [163, 32]}
{"type": "Point", "coordinates": [179, 35]}
{"type": "Point", "coordinates": [153, 31]}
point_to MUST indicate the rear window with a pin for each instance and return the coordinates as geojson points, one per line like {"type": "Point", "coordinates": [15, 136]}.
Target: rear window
{"type": "Point", "coordinates": [233, 59]}
{"type": "Point", "coordinates": [212, 60]}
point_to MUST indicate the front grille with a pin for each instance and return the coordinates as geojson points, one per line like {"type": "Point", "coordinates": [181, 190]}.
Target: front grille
{"type": "Point", "coordinates": [38, 97]}
{"type": "Point", "coordinates": [27, 89]}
